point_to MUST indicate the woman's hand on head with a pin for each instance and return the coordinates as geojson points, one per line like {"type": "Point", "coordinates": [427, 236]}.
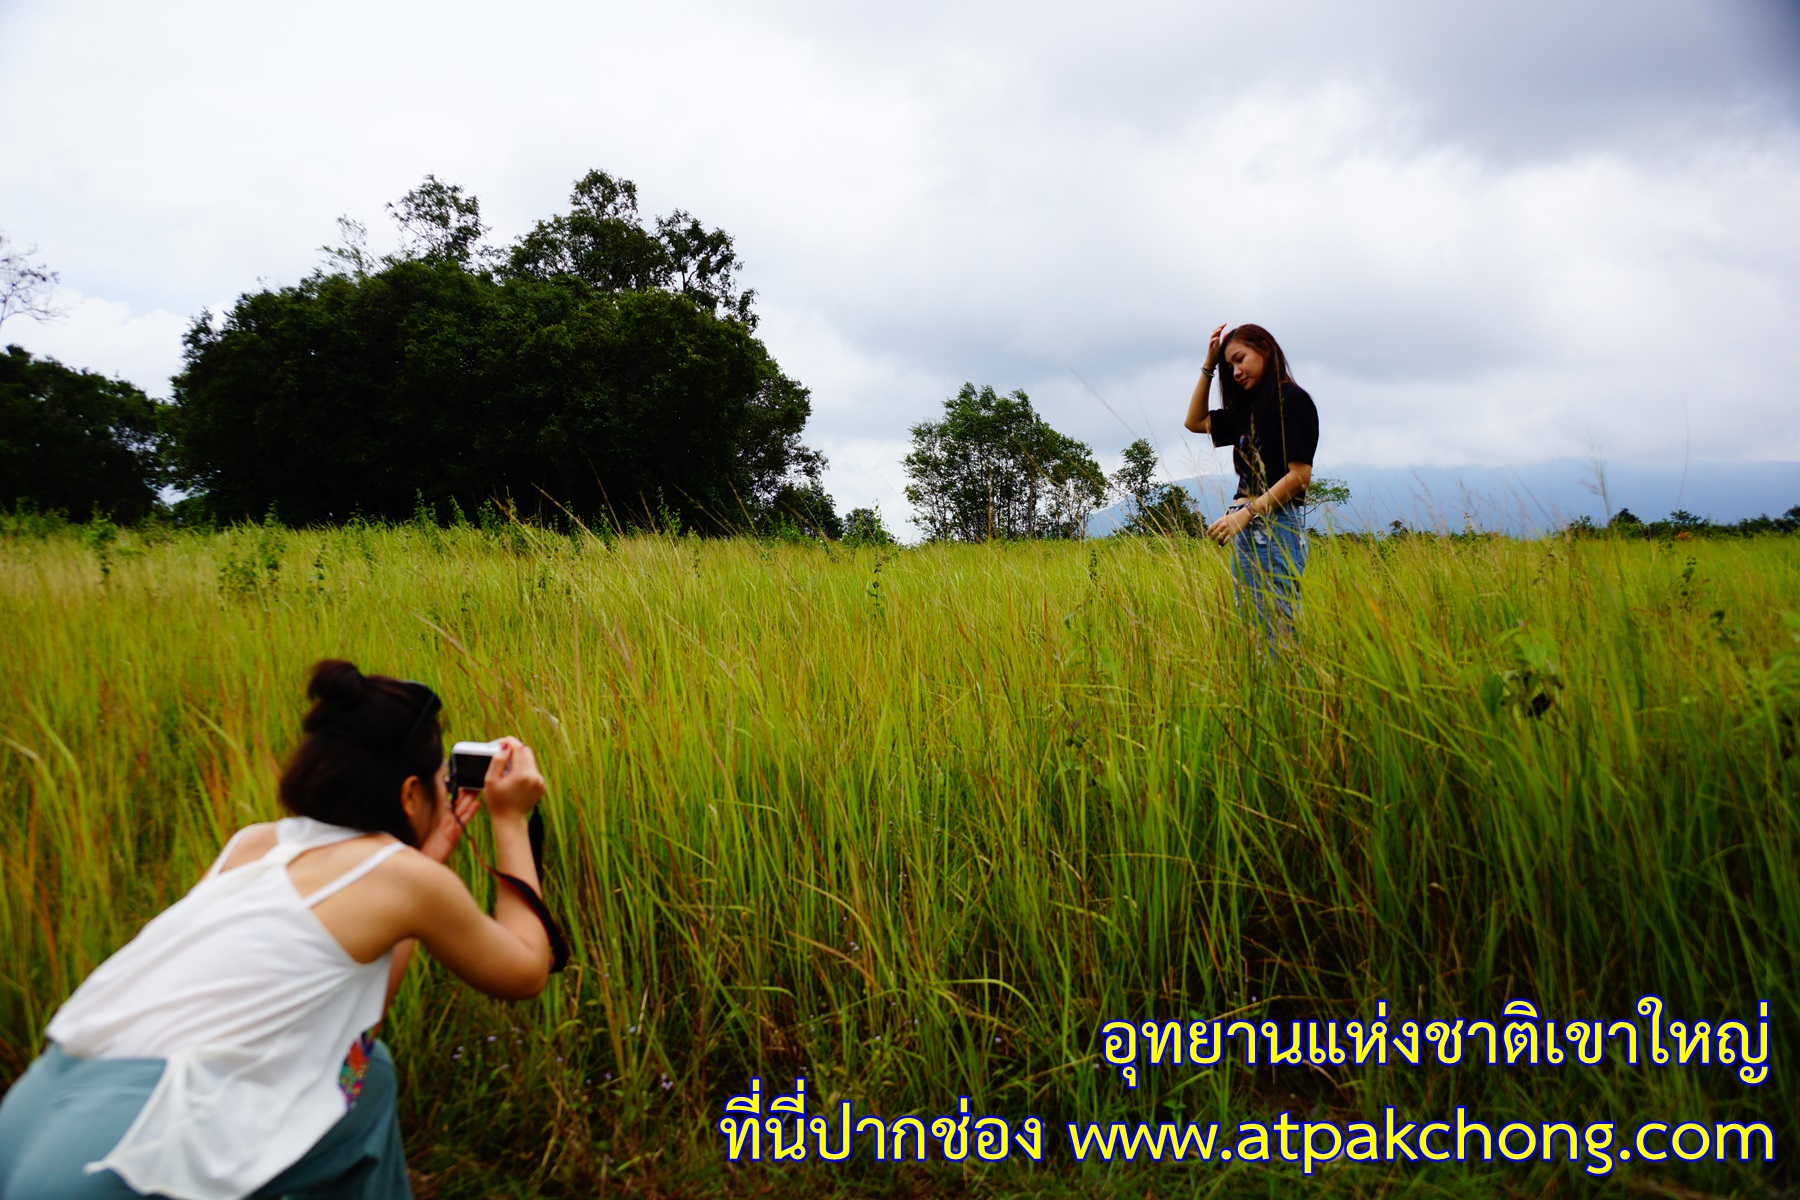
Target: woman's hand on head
{"type": "Point", "coordinates": [513, 785]}
{"type": "Point", "coordinates": [1214, 348]}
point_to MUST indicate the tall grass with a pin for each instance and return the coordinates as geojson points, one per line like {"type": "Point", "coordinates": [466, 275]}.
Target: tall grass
{"type": "Point", "coordinates": [913, 824]}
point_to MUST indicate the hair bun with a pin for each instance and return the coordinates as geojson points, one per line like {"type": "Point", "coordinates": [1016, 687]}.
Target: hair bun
{"type": "Point", "coordinates": [338, 684]}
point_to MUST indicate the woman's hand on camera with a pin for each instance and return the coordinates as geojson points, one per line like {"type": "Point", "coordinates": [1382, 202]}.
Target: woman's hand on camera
{"type": "Point", "coordinates": [1212, 349]}
{"type": "Point", "coordinates": [513, 786]}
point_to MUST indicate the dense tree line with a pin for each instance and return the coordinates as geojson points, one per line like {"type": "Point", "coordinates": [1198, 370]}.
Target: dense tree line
{"type": "Point", "coordinates": [1684, 524]}
{"type": "Point", "coordinates": [602, 365]}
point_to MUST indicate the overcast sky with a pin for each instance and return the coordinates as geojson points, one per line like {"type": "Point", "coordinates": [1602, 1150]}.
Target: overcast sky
{"type": "Point", "coordinates": [1484, 232]}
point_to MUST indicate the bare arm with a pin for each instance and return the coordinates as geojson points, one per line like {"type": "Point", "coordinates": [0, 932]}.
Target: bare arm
{"type": "Point", "coordinates": [506, 955]}
{"type": "Point", "coordinates": [499, 954]}
{"type": "Point", "coordinates": [1298, 475]}
{"type": "Point", "coordinates": [1199, 417]}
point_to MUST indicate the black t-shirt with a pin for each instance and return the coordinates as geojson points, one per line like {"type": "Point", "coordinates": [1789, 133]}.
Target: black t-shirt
{"type": "Point", "coordinates": [1266, 435]}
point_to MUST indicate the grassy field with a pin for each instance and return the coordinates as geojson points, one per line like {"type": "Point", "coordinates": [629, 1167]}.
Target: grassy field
{"type": "Point", "coordinates": [915, 824]}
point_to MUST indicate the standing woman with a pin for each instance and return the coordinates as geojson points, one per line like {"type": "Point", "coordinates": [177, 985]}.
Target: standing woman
{"type": "Point", "coordinates": [227, 1051]}
{"type": "Point", "coordinates": [1273, 429]}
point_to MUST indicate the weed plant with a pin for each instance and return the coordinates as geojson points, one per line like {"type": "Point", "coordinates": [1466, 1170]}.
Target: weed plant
{"type": "Point", "coordinates": [914, 823]}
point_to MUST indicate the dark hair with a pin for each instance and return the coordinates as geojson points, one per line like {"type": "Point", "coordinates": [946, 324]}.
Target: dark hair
{"type": "Point", "coordinates": [1275, 367]}
{"type": "Point", "coordinates": [365, 734]}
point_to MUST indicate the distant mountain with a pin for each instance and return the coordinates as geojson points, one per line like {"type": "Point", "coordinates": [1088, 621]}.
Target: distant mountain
{"type": "Point", "coordinates": [1528, 500]}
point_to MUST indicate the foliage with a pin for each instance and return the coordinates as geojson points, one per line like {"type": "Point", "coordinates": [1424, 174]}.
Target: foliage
{"type": "Point", "coordinates": [78, 441]}
{"type": "Point", "coordinates": [438, 222]}
{"type": "Point", "coordinates": [864, 527]}
{"type": "Point", "coordinates": [809, 509]}
{"type": "Point", "coordinates": [1134, 481]}
{"type": "Point", "coordinates": [603, 241]}
{"type": "Point", "coordinates": [426, 374]}
{"type": "Point", "coordinates": [914, 828]}
{"type": "Point", "coordinates": [993, 468]}
{"type": "Point", "coordinates": [1323, 493]}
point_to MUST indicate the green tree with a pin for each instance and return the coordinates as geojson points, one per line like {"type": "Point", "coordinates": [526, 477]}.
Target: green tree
{"type": "Point", "coordinates": [603, 241]}
{"type": "Point", "coordinates": [993, 468]}
{"type": "Point", "coordinates": [1153, 508]}
{"type": "Point", "coordinates": [1170, 512]}
{"type": "Point", "coordinates": [78, 441]}
{"type": "Point", "coordinates": [864, 527]}
{"type": "Point", "coordinates": [1323, 493]}
{"type": "Point", "coordinates": [1135, 480]}
{"type": "Point", "coordinates": [424, 374]}
{"type": "Point", "coordinates": [437, 221]}
{"type": "Point", "coordinates": [809, 508]}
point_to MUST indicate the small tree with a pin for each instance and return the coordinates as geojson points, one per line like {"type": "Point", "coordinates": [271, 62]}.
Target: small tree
{"type": "Point", "coordinates": [1171, 512]}
{"type": "Point", "coordinates": [1134, 481]}
{"type": "Point", "coordinates": [1323, 493]}
{"type": "Point", "coordinates": [1153, 508]}
{"type": "Point", "coordinates": [993, 468]}
{"type": "Point", "coordinates": [437, 221]}
{"type": "Point", "coordinates": [809, 507]}
{"type": "Point", "coordinates": [864, 527]}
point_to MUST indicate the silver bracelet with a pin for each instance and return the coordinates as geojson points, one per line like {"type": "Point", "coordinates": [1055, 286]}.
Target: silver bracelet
{"type": "Point", "coordinates": [1207, 371]}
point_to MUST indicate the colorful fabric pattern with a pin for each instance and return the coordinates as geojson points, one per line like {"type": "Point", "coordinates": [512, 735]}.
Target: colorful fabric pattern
{"type": "Point", "coordinates": [356, 1065]}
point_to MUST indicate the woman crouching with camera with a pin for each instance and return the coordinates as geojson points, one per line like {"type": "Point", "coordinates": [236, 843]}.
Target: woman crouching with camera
{"type": "Point", "coordinates": [1273, 430]}
{"type": "Point", "coordinates": [227, 1051]}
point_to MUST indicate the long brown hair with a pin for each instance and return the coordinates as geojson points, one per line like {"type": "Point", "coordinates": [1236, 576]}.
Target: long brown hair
{"type": "Point", "coordinates": [1275, 367]}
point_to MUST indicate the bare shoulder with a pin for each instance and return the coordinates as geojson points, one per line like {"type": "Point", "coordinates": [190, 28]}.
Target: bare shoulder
{"type": "Point", "coordinates": [249, 843]}
{"type": "Point", "coordinates": [426, 891]}
{"type": "Point", "coordinates": [424, 873]}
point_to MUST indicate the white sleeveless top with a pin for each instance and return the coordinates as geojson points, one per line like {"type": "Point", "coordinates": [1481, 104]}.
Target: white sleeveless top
{"type": "Point", "coordinates": [252, 1003]}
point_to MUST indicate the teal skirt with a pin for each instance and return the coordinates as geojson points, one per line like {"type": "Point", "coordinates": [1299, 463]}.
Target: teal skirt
{"type": "Point", "coordinates": [66, 1112]}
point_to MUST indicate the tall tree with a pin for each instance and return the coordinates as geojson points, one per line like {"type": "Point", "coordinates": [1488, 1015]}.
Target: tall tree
{"type": "Point", "coordinates": [1135, 480]}
{"type": "Point", "coordinates": [343, 394]}
{"type": "Point", "coordinates": [77, 441]}
{"type": "Point", "coordinates": [603, 241]}
{"type": "Point", "coordinates": [992, 467]}
{"type": "Point", "coordinates": [437, 221]}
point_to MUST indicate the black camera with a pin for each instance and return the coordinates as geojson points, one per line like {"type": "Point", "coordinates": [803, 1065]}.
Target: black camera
{"type": "Point", "coordinates": [469, 764]}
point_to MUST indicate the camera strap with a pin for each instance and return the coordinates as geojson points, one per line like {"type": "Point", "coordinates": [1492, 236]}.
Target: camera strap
{"type": "Point", "coordinates": [559, 946]}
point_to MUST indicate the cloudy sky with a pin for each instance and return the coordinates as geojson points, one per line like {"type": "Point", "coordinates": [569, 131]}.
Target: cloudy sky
{"type": "Point", "coordinates": [1486, 233]}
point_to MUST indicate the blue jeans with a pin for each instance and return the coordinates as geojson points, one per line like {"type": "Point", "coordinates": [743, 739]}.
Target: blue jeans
{"type": "Point", "coordinates": [65, 1112]}
{"type": "Point", "coordinates": [1267, 559]}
